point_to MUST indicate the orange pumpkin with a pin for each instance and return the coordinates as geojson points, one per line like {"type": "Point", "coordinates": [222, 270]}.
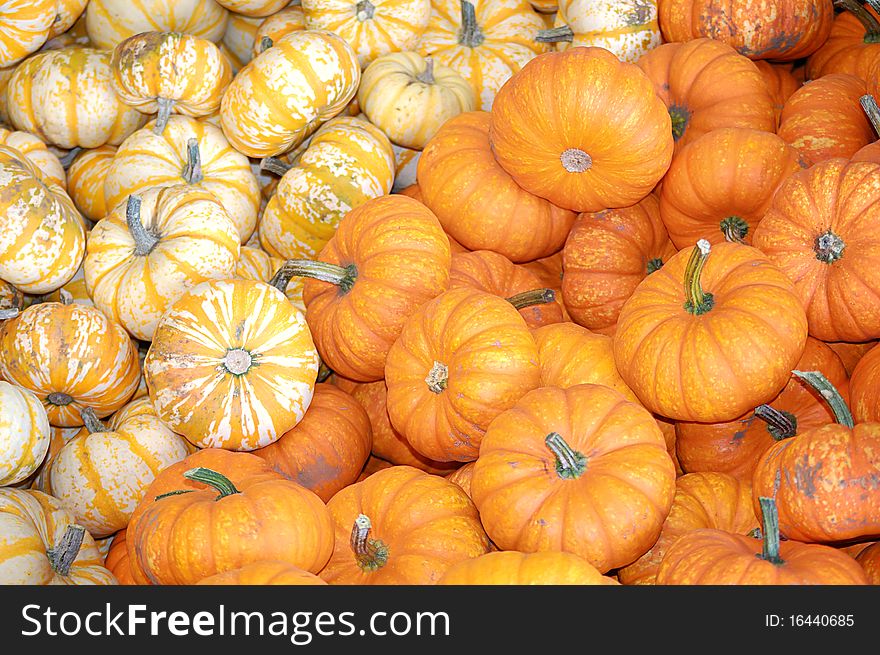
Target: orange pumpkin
{"type": "Point", "coordinates": [263, 572]}
{"type": "Point", "coordinates": [373, 465]}
{"type": "Point", "coordinates": [463, 476]}
{"type": "Point", "coordinates": [514, 568]}
{"type": "Point", "coordinates": [853, 45]}
{"type": "Point", "coordinates": [116, 561]}
{"type": "Point", "coordinates": [869, 558]}
{"type": "Point", "coordinates": [851, 353]}
{"type": "Point", "coordinates": [781, 82]}
{"type": "Point", "coordinates": [864, 387]}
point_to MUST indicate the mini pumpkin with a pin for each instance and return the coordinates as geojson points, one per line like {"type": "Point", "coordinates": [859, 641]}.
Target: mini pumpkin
{"type": "Point", "coordinates": [85, 180]}
{"type": "Point", "coordinates": [864, 386]}
{"type": "Point", "coordinates": [515, 568]}
{"type": "Point", "coordinates": [36, 152]}
{"type": "Point", "coordinates": [24, 434]}
{"type": "Point", "coordinates": [853, 45]}
{"type": "Point", "coordinates": [263, 572]}
{"type": "Point", "coordinates": [281, 23]}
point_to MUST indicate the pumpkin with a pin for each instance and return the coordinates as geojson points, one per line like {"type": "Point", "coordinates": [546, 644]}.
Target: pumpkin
{"type": "Point", "coordinates": [373, 464]}
{"type": "Point", "coordinates": [461, 360]}
{"type": "Point", "coordinates": [303, 94]}
{"type": "Point", "coordinates": [348, 162]}
{"type": "Point", "coordinates": [116, 561]}
{"type": "Point", "coordinates": [109, 22]}
{"type": "Point", "coordinates": [542, 130]}
{"type": "Point", "coordinates": [720, 185]}
{"type": "Point", "coordinates": [463, 476]}
{"type": "Point", "coordinates": [69, 27]}
{"type": "Point", "coordinates": [514, 568]}
{"type": "Point", "coordinates": [406, 161]}
{"type": "Point", "coordinates": [66, 98]}
{"type": "Point", "coordinates": [864, 384]}
{"type": "Point", "coordinates": [710, 336]}
{"type": "Point", "coordinates": [688, 78]}
{"type": "Point", "coordinates": [231, 365]}
{"type": "Point", "coordinates": [42, 545]}
{"type": "Point", "coordinates": [169, 71]}
{"type": "Point", "coordinates": [852, 46]}
{"type": "Point", "coordinates": [823, 119]}
{"type": "Point", "coordinates": [5, 75]}
{"type": "Point", "coordinates": [869, 559]}
{"type": "Point", "coordinates": [409, 97]}
{"type": "Point", "coordinates": [851, 353]}
{"type": "Point", "coordinates": [782, 30]}
{"type": "Point", "coordinates": [188, 151]}
{"type": "Point", "coordinates": [781, 82]}
{"type": "Point", "coordinates": [629, 29]}
{"type": "Point", "coordinates": [606, 255]}
{"type": "Point", "coordinates": [486, 42]}
{"type": "Point", "coordinates": [281, 23]}
{"type": "Point", "coordinates": [256, 264]}
{"type": "Point", "coordinates": [36, 152]}
{"type": "Point", "coordinates": [821, 231]}
{"type": "Point", "coordinates": [478, 203]}
{"type": "Point", "coordinates": [709, 556]}
{"type": "Point", "coordinates": [42, 480]}
{"type": "Point", "coordinates": [24, 434]}
{"type": "Point", "coordinates": [384, 537]}
{"type": "Point", "coordinates": [579, 470]}
{"type": "Point", "coordinates": [148, 251]}
{"type": "Point", "coordinates": [372, 28]}
{"type": "Point", "coordinates": [824, 480]}
{"type": "Point", "coordinates": [263, 572]}
{"type": "Point", "coordinates": [257, 517]}
{"type": "Point", "coordinates": [11, 301]}
{"type": "Point", "coordinates": [27, 25]}
{"type": "Point", "coordinates": [85, 180]}
{"type": "Point", "coordinates": [328, 448]}
{"type": "Point", "coordinates": [74, 291]}
{"type": "Point", "coordinates": [735, 447]}
{"type": "Point", "coordinates": [72, 357]}
{"type": "Point", "coordinates": [44, 237]}
{"type": "Point", "coordinates": [255, 8]}
{"type": "Point", "coordinates": [101, 476]}
{"type": "Point", "coordinates": [238, 43]}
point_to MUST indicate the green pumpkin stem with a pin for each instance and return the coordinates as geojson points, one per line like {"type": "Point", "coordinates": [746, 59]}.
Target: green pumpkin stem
{"type": "Point", "coordinates": [212, 478]}
{"type": "Point", "coordinates": [342, 277]}
{"type": "Point", "coordinates": [832, 396]}
{"type": "Point", "coordinates": [274, 165]}
{"type": "Point", "coordinates": [570, 464]}
{"type": "Point", "coordinates": [144, 240]}
{"type": "Point", "coordinates": [734, 229]}
{"type": "Point", "coordinates": [427, 75]}
{"type": "Point", "coordinates": [266, 43]}
{"type": "Point", "coordinates": [533, 297]}
{"type": "Point", "coordinates": [11, 312]}
{"type": "Point", "coordinates": [872, 111]}
{"type": "Point", "coordinates": [780, 424]}
{"type": "Point", "coordinates": [697, 301]}
{"type": "Point", "coordinates": [64, 553]}
{"type": "Point", "coordinates": [556, 35]}
{"type": "Point", "coordinates": [192, 172]}
{"type": "Point", "coordinates": [370, 554]}
{"type": "Point", "coordinates": [324, 371]}
{"type": "Point", "coordinates": [654, 265]}
{"type": "Point", "coordinates": [68, 158]}
{"type": "Point", "coordinates": [91, 421]}
{"type": "Point", "coordinates": [164, 113]}
{"type": "Point", "coordinates": [470, 36]}
{"type": "Point", "coordinates": [865, 17]}
{"type": "Point", "coordinates": [770, 531]}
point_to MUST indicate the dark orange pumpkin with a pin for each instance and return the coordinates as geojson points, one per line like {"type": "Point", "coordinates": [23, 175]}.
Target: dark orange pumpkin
{"type": "Point", "coordinates": [264, 572]}
{"type": "Point", "coordinates": [865, 387]}
{"type": "Point", "coordinates": [851, 353]}
{"type": "Point", "coordinates": [117, 560]}
{"type": "Point", "coordinates": [853, 44]}
{"type": "Point", "coordinates": [869, 559]}
{"type": "Point", "coordinates": [781, 82]}
{"type": "Point", "coordinates": [514, 568]}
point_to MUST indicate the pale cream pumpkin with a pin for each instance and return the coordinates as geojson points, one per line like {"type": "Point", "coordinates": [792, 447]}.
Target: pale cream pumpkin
{"type": "Point", "coordinates": [74, 291]}
{"type": "Point", "coordinates": [286, 92]}
{"type": "Point", "coordinates": [85, 180]}
{"type": "Point", "coordinates": [232, 365]}
{"type": "Point", "coordinates": [255, 8]}
{"type": "Point", "coordinates": [348, 162]}
{"type": "Point", "coordinates": [256, 264]}
{"type": "Point", "coordinates": [69, 19]}
{"type": "Point", "coordinates": [66, 98]}
{"type": "Point", "coordinates": [24, 433]}
{"type": "Point", "coordinates": [152, 248]}
{"type": "Point", "coordinates": [58, 437]}
{"type": "Point", "coordinates": [5, 76]}
{"type": "Point", "coordinates": [239, 40]}
{"type": "Point", "coordinates": [290, 19]}
{"type": "Point", "coordinates": [25, 25]}
{"type": "Point", "coordinates": [190, 152]}
{"type": "Point", "coordinates": [101, 476]}
{"type": "Point", "coordinates": [36, 152]}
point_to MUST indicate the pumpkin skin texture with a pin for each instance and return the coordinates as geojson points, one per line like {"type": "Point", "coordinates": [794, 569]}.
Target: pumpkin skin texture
{"type": "Point", "coordinates": [36, 152]}
{"type": "Point", "coordinates": [27, 25]}
{"type": "Point", "coordinates": [869, 559]}
{"type": "Point", "coordinates": [864, 385]}
{"type": "Point", "coordinates": [829, 211]}
{"type": "Point", "coordinates": [463, 476]}
{"type": "Point", "coordinates": [606, 504]}
{"type": "Point", "coordinates": [328, 448]}
{"type": "Point", "coordinates": [692, 359]}
{"type": "Point", "coordinates": [461, 360]}
{"type": "Point", "coordinates": [232, 365]}
{"type": "Point", "coordinates": [532, 135]}
{"type": "Point", "coordinates": [303, 94]}
{"type": "Point", "coordinates": [264, 572]}
{"type": "Point", "coordinates": [851, 353]}
{"type": "Point", "coordinates": [116, 561]}
{"type": "Point", "coordinates": [71, 357]}
{"type": "Point", "coordinates": [256, 264]}
{"type": "Point", "coordinates": [782, 30]}
{"type": "Point", "coordinates": [24, 434]}
{"type": "Point", "coordinates": [237, 44]}
{"type": "Point", "coordinates": [44, 237]}
{"type": "Point", "coordinates": [66, 98]}
{"type": "Point", "coordinates": [780, 81]}
{"type": "Point", "coordinates": [605, 257]}
{"type": "Point", "coordinates": [281, 23]}
{"type": "Point", "coordinates": [419, 526]}
{"type": "Point", "coordinates": [681, 73]}
{"type": "Point", "coordinates": [85, 181]}
{"type": "Point", "coordinates": [396, 257]}
{"type": "Point", "coordinates": [31, 524]}
{"type": "Point", "coordinates": [254, 8]}
{"type": "Point", "coordinates": [478, 203]}
{"type": "Point", "coordinates": [373, 465]}
{"type": "Point", "coordinates": [513, 568]}
{"type": "Point", "coordinates": [850, 47]}
{"type": "Point", "coordinates": [187, 238]}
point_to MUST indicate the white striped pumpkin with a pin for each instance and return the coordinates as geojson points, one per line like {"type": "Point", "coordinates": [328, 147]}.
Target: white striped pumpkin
{"type": "Point", "coordinates": [238, 40]}
{"type": "Point", "coordinates": [36, 152]}
{"type": "Point", "coordinates": [24, 433]}
{"type": "Point", "coordinates": [232, 365]}
{"type": "Point", "coordinates": [290, 19]}
{"type": "Point", "coordinates": [85, 180]}
{"type": "Point", "coordinates": [254, 8]}
{"type": "Point", "coordinates": [24, 27]}
{"type": "Point", "coordinates": [42, 481]}
{"type": "Point", "coordinates": [256, 264]}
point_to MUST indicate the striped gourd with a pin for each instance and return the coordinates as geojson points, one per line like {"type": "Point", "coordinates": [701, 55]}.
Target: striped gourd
{"type": "Point", "coordinates": [36, 152]}
{"type": "Point", "coordinates": [24, 27]}
{"type": "Point", "coordinates": [85, 180]}
{"type": "Point", "coordinates": [24, 433]}
{"type": "Point", "coordinates": [290, 19]}
{"type": "Point", "coordinates": [256, 264]}
{"type": "Point", "coordinates": [238, 40]}
{"type": "Point", "coordinates": [254, 8]}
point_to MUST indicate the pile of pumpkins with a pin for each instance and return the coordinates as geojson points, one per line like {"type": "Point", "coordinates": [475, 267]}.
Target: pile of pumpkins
{"type": "Point", "coordinates": [439, 292]}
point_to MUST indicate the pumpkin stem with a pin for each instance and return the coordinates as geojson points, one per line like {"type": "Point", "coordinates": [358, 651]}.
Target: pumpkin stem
{"type": "Point", "coordinates": [343, 277]}
{"type": "Point", "coordinates": [144, 240]}
{"type": "Point", "coordinates": [438, 377]}
{"type": "Point", "coordinates": [59, 399]}
{"type": "Point", "coordinates": [164, 113]}
{"type": "Point", "coordinates": [831, 395]}
{"type": "Point", "coordinates": [533, 297]}
{"type": "Point", "coordinates": [370, 554]}
{"type": "Point", "coordinates": [265, 43]}
{"type": "Point", "coordinates": [555, 35]}
{"type": "Point", "coordinates": [427, 75]}
{"type": "Point", "coordinates": [324, 371]}
{"type": "Point", "coordinates": [65, 297]}
{"type": "Point", "coordinates": [697, 301]}
{"type": "Point", "coordinates": [192, 172]}
{"type": "Point", "coordinates": [865, 17]}
{"type": "Point", "coordinates": [274, 165]}
{"type": "Point", "coordinates": [238, 361]}
{"type": "Point", "coordinates": [872, 111]}
{"type": "Point", "coordinates": [770, 531]}
{"type": "Point", "coordinates": [734, 229]}
{"type": "Point", "coordinates": [64, 554]}
{"type": "Point", "coordinates": [780, 424]}
{"type": "Point", "coordinates": [470, 36]}
{"type": "Point", "coordinates": [575, 160]}
{"type": "Point", "coordinates": [654, 265]}
{"type": "Point", "coordinates": [829, 247]}
{"type": "Point", "coordinates": [91, 421]}
{"type": "Point", "coordinates": [365, 10]}
{"type": "Point", "coordinates": [68, 158]}
{"type": "Point", "coordinates": [6, 314]}
{"type": "Point", "coordinates": [570, 464]}
{"type": "Point", "coordinates": [680, 117]}
{"type": "Point", "coordinates": [214, 479]}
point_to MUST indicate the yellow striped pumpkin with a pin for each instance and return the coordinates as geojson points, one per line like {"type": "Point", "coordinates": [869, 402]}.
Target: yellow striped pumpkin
{"type": "Point", "coordinates": [5, 76]}
{"type": "Point", "coordinates": [69, 27]}
{"type": "Point", "coordinates": [485, 41]}
{"type": "Point", "coordinates": [42, 481]}
{"type": "Point", "coordinates": [74, 291]}
{"type": "Point", "coordinates": [66, 98]}
{"type": "Point", "coordinates": [290, 19]}
{"type": "Point", "coordinates": [72, 357]}
{"type": "Point", "coordinates": [164, 72]}
{"type": "Point", "coordinates": [256, 264]}
{"type": "Point", "coordinates": [348, 162]}
{"type": "Point", "coordinates": [372, 27]}
{"type": "Point", "coordinates": [36, 152]}
{"type": "Point", "coordinates": [85, 180]}
{"type": "Point", "coordinates": [190, 152]}
{"type": "Point", "coordinates": [152, 248]}
{"type": "Point", "coordinates": [286, 92]}
{"type": "Point", "coordinates": [24, 433]}
{"type": "Point", "coordinates": [232, 365]}
{"type": "Point", "coordinates": [43, 545]}
{"type": "Point", "coordinates": [101, 476]}
{"type": "Point", "coordinates": [24, 27]}
{"type": "Point", "coordinates": [238, 40]}
{"type": "Point", "coordinates": [254, 8]}
{"type": "Point", "coordinates": [109, 22]}
{"type": "Point", "coordinates": [43, 236]}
